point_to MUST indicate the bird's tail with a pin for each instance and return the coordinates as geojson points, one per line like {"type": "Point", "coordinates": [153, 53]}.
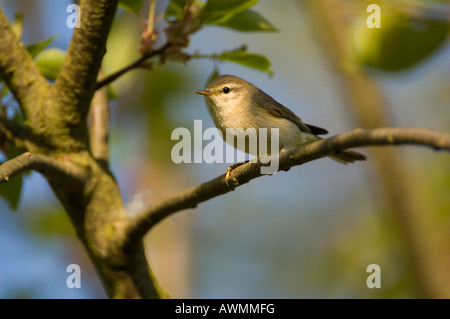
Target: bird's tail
{"type": "Point", "coordinates": [347, 156]}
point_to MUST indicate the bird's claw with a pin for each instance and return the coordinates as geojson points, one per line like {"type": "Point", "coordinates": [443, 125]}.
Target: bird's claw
{"type": "Point", "coordinates": [228, 174]}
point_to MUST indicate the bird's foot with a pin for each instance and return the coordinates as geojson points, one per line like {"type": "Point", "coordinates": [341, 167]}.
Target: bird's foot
{"type": "Point", "coordinates": [228, 174]}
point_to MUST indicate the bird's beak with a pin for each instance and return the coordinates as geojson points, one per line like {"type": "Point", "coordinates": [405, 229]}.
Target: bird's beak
{"type": "Point", "coordinates": [203, 92]}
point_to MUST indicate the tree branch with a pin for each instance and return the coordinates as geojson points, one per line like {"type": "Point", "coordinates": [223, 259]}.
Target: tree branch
{"type": "Point", "coordinates": [75, 85]}
{"type": "Point", "coordinates": [99, 116]}
{"type": "Point", "coordinates": [40, 163]}
{"type": "Point", "coordinates": [18, 70]}
{"type": "Point", "coordinates": [136, 64]}
{"type": "Point", "coordinates": [189, 198]}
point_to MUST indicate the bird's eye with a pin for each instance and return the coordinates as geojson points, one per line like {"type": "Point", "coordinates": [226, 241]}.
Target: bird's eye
{"type": "Point", "coordinates": [226, 90]}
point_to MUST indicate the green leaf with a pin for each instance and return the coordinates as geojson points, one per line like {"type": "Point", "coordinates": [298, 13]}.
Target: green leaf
{"type": "Point", "coordinates": [112, 92]}
{"type": "Point", "coordinates": [248, 20]}
{"type": "Point", "coordinates": [49, 221]}
{"type": "Point", "coordinates": [401, 43]}
{"type": "Point", "coordinates": [10, 191]}
{"type": "Point", "coordinates": [133, 6]}
{"type": "Point", "coordinates": [180, 3]}
{"type": "Point", "coordinates": [215, 18]}
{"type": "Point", "coordinates": [4, 89]}
{"type": "Point", "coordinates": [214, 74]}
{"type": "Point", "coordinates": [229, 6]}
{"type": "Point", "coordinates": [50, 62]}
{"type": "Point", "coordinates": [219, 11]}
{"type": "Point", "coordinates": [173, 10]}
{"type": "Point", "coordinates": [252, 60]}
{"type": "Point", "coordinates": [35, 48]}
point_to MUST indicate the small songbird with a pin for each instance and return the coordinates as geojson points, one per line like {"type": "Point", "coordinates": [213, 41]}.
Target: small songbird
{"type": "Point", "coordinates": [236, 103]}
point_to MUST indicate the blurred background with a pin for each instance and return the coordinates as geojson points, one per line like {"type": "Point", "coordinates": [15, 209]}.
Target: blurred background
{"type": "Point", "coordinates": [307, 233]}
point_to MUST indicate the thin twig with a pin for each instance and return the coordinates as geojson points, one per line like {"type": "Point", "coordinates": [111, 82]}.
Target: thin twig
{"type": "Point", "coordinates": [99, 116]}
{"type": "Point", "coordinates": [189, 198]}
{"type": "Point", "coordinates": [151, 16]}
{"type": "Point", "coordinates": [136, 64]}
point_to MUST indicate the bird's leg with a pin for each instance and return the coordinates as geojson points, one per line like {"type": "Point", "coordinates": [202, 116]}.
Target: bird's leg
{"type": "Point", "coordinates": [232, 167]}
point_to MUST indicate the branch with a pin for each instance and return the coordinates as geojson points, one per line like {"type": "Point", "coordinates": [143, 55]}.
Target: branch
{"type": "Point", "coordinates": [18, 70]}
{"type": "Point", "coordinates": [189, 198]}
{"type": "Point", "coordinates": [99, 116]}
{"type": "Point", "coordinates": [40, 163]}
{"type": "Point", "coordinates": [75, 85]}
{"type": "Point", "coordinates": [136, 64]}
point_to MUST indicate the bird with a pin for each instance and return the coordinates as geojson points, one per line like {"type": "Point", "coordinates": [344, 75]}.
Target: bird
{"type": "Point", "coordinates": [236, 103]}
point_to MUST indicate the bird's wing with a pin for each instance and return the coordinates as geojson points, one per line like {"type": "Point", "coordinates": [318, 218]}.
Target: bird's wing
{"type": "Point", "coordinates": [279, 110]}
{"type": "Point", "coordinates": [317, 130]}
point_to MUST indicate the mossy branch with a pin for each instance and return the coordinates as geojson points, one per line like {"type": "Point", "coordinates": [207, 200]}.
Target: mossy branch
{"type": "Point", "coordinates": [18, 70]}
{"type": "Point", "coordinates": [75, 84]}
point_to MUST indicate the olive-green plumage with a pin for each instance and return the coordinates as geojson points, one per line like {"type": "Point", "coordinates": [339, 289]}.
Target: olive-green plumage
{"type": "Point", "coordinates": [236, 103]}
